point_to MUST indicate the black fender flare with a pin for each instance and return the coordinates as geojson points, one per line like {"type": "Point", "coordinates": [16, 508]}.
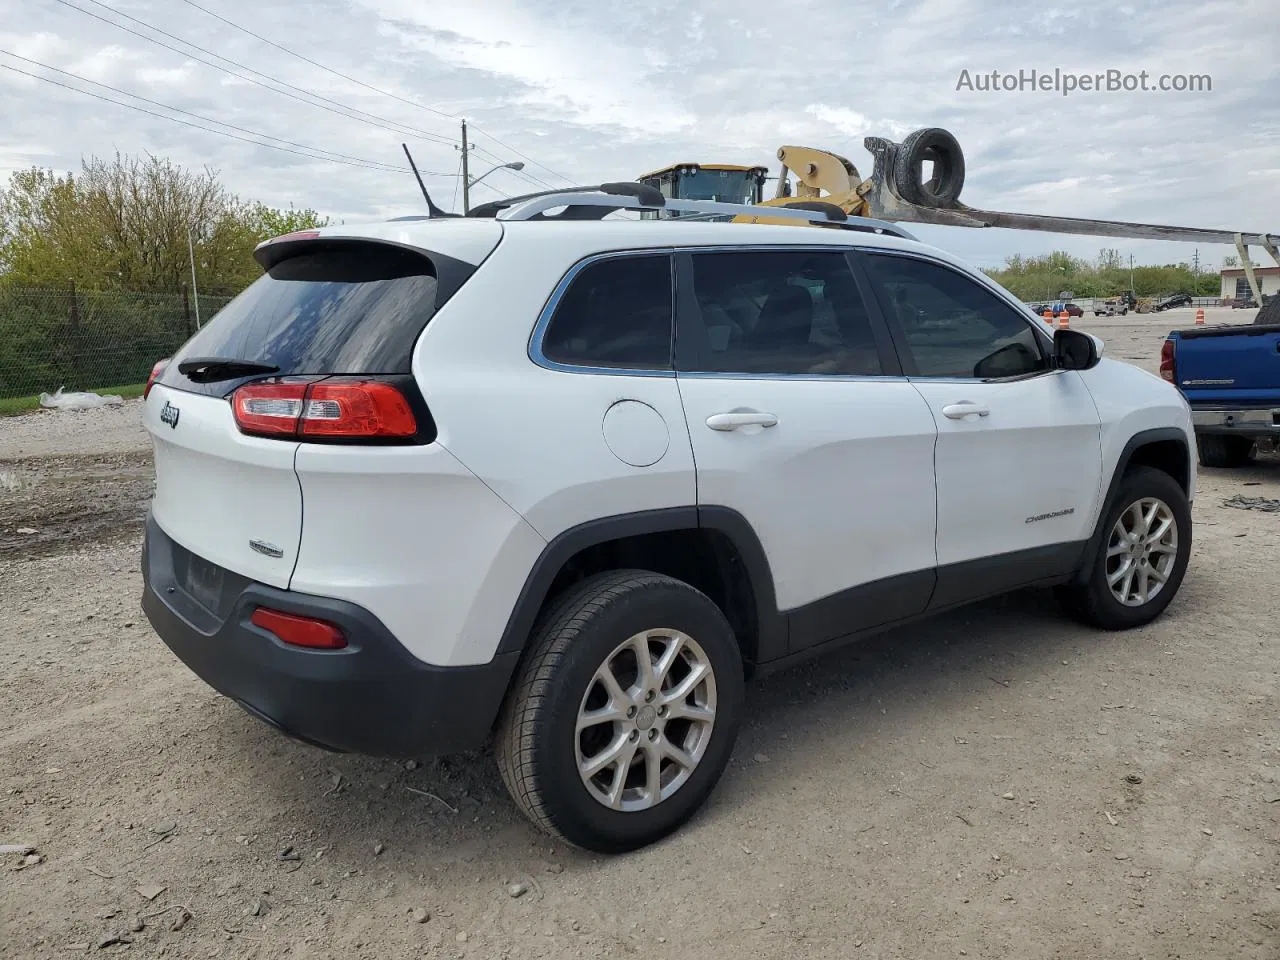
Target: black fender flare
{"type": "Point", "coordinates": [1140, 439]}
{"type": "Point", "coordinates": [771, 624]}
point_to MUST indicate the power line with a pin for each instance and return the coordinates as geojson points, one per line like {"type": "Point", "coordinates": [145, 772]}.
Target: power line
{"type": "Point", "coordinates": [164, 106]}
{"type": "Point", "coordinates": [524, 176]}
{"type": "Point", "coordinates": [378, 90]}
{"type": "Point", "coordinates": [368, 165]}
{"type": "Point", "coordinates": [494, 158]}
{"type": "Point", "coordinates": [353, 113]}
{"type": "Point", "coordinates": [522, 156]}
{"type": "Point", "coordinates": [315, 63]}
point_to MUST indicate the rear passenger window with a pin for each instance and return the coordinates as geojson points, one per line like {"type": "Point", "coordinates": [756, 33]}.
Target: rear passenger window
{"type": "Point", "coordinates": [615, 313]}
{"type": "Point", "coordinates": [784, 312]}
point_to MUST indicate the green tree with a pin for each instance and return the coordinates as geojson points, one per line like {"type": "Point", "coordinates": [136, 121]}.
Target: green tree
{"type": "Point", "coordinates": [125, 224]}
{"type": "Point", "coordinates": [1045, 276]}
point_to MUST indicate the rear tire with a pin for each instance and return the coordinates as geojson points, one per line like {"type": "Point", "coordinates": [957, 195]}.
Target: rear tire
{"type": "Point", "coordinates": [1142, 557]}
{"type": "Point", "coordinates": [583, 702]}
{"type": "Point", "coordinates": [1223, 450]}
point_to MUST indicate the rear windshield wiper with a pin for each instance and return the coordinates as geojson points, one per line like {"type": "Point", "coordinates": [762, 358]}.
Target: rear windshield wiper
{"type": "Point", "coordinates": [213, 369]}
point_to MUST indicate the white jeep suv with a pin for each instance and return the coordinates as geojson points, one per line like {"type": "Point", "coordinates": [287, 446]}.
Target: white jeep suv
{"type": "Point", "coordinates": [563, 481]}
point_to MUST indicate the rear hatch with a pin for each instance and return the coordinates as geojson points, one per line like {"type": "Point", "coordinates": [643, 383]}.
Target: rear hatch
{"type": "Point", "coordinates": [317, 350]}
{"type": "Point", "coordinates": [1226, 366]}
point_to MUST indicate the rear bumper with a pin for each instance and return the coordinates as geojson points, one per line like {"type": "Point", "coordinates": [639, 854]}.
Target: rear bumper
{"type": "Point", "coordinates": [371, 697]}
{"type": "Point", "coordinates": [1257, 422]}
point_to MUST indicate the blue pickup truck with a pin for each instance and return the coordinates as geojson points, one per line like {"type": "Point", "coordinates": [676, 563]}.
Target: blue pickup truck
{"type": "Point", "coordinates": [1230, 376]}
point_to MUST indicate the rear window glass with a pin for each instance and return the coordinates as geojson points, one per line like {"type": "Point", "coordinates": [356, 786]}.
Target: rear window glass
{"type": "Point", "coordinates": [616, 313]}
{"type": "Point", "coordinates": [354, 309]}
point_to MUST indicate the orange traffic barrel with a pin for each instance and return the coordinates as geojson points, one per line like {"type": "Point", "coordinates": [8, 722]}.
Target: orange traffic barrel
{"type": "Point", "coordinates": [1200, 315]}
{"type": "Point", "coordinates": [1064, 319]}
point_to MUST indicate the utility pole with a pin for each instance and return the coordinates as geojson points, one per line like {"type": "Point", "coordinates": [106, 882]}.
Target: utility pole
{"type": "Point", "coordinates": [194, 292]}
{"type": "Point", "coordinates": [1195, 267]}
{"type": "Point", "coordinates": [1131, 289]}
{"type": "Point", "coordinates": [466, 174]}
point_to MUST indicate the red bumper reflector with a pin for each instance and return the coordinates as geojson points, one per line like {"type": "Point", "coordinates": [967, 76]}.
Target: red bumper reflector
{"type": "Point", "coordinates": [299, 631]}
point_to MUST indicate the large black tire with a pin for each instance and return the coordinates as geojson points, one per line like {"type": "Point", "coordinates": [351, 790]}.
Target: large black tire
{"type": "Point", "coordinates": [1269, 313]}
{"type": "Point", "coordinates": [538, 742]}
{"type": "Point", "coordinates": [1224, 450]}
{"type": "Point", "coordinates": [940, 147]}
{"type": "Point", "coordinates": [1092, 602]}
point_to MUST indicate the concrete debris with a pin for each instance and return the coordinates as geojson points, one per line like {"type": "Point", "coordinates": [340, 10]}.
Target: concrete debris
{"type": "Point", "coordinates": [1261, 504]}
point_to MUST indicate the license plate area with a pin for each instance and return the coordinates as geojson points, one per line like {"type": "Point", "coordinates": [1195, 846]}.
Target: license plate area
{"type": "Point", "coordinates": [203, 582]}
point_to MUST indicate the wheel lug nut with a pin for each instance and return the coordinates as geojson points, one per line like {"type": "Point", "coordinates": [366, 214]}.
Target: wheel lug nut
{"type": "Point", "coordinates": [648, 697]}
{"type": "Point", "coordinates": [631, 712]}
{"type": "Point", "coordinates": [653, 734]}
{"type": "Point", "coordinates": [662, 711]}
{"type": "Point", "coordinates": [635, 735]}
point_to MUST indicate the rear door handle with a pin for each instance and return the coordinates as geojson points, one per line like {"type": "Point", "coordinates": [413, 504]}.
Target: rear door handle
{"type": "Point", "coordinates": [964, 408]}
{"type": "Point", "coordinates": [741, 418]}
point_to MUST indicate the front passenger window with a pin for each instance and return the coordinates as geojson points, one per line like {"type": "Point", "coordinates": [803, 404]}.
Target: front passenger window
{"type": "Point", "coordinates": [953, 327]}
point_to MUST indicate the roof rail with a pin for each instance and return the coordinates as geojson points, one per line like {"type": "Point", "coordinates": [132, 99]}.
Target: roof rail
{"type": "Point", "coordinates": [597, 202]}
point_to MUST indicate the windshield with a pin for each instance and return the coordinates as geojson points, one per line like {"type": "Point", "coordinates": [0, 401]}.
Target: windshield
{"type": "Point", "coordinates": [724, 186]}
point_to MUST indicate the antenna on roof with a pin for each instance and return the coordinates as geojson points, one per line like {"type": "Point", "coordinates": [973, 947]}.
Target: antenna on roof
{"type": "Point", "coordinates": [431, 207]}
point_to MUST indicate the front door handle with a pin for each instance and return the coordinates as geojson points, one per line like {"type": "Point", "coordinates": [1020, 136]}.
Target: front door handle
{"type": "Point", "coordinates": [741, 418]}
{"type": "Point", "coordinates": [964, 408]}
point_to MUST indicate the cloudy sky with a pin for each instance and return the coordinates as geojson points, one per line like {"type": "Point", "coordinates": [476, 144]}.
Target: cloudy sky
{"type": "Point", "coordinates": [589, 91]}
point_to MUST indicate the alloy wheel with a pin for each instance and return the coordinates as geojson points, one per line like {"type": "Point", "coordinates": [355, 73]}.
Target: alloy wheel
{"type": "Point", "coordinates": [646, 720]}
{"type": "Point", "coordinates": [1142, 551]}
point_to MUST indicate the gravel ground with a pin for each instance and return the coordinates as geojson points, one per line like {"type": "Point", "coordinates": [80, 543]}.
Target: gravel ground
{"type": "Point", "coordinates": [84, 433]}
{"type": "Point", "coordinates": [996, 782]}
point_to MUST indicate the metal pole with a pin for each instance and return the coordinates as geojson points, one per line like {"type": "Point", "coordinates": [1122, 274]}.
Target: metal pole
{"type": "Point", "coordinates": [466, 174]}
{"type": "Point", "coordinates": [1243, 249]}
{"type": "Point", "coordinates": [191, 252]}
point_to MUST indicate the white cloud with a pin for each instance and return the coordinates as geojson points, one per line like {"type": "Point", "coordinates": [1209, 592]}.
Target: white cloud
{"type": "Point", "coordinates": [600, 91]}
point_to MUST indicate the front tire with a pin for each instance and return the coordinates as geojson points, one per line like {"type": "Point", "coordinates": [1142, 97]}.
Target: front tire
{"type": "Point", "coordinates": [624, 713]}
{"type": "Point", "coordinates": [1140, 563]}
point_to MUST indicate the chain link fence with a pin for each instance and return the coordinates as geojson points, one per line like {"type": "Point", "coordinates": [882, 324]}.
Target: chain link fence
{"type": "Point", "coordinates": [89, 340]}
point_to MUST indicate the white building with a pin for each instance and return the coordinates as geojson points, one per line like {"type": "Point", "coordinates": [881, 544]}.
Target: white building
{"type": "Point", "coordinates": [1235, 285]}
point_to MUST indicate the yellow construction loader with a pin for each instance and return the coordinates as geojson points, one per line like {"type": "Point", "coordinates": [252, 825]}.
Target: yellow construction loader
{"type": "Point", "coordinates": [916, 181]}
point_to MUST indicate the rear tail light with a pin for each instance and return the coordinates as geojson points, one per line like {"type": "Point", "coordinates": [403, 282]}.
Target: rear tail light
{"type": "Point", "coordinates": [156, 373]}
{"type": "Point", "coordinates": [1168, 361]}
{"type": "Point", "coordinates": [299, 631]}
{"type": "Point", "coordinates": [329, 409]}
{"type": "Point", "coordinates": [269, 409]}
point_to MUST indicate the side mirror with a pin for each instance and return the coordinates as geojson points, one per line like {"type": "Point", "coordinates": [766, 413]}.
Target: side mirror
{"type": "Point", "coordinates": [1074, 350]}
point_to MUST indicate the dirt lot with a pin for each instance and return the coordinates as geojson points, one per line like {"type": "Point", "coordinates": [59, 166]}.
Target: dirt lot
{"type": "Point", "coordinates": [995, 783]}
